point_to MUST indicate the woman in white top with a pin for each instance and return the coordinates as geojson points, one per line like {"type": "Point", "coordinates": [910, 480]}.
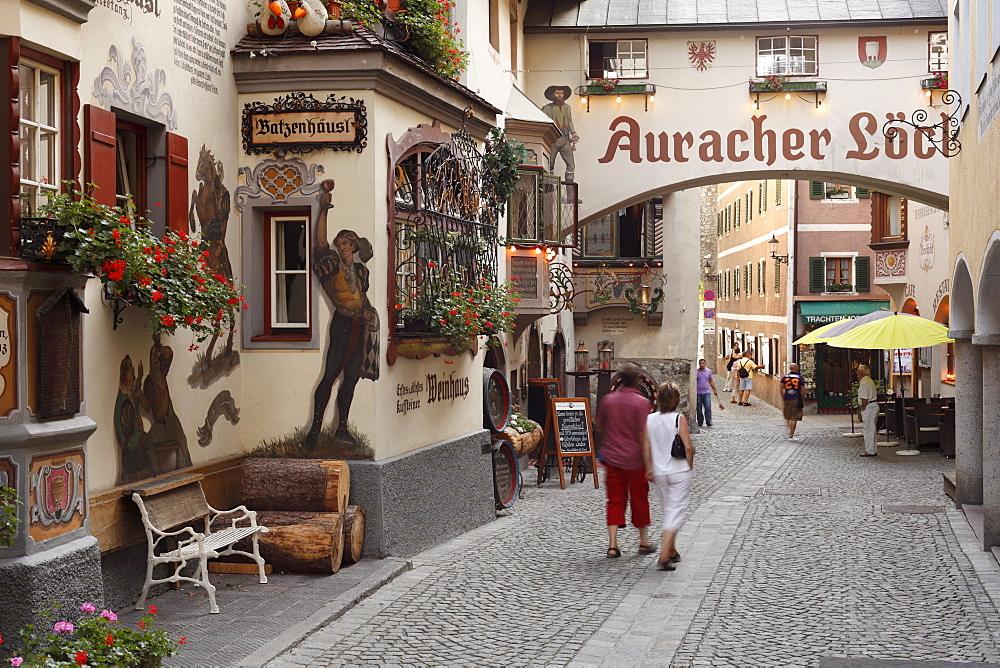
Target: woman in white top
{"type": "Point", "coordinates": [671, 475]}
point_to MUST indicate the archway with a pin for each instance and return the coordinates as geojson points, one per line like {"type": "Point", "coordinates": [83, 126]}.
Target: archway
{"type": "Point", "coordinates": [962, 309]}
{"type": "Point", "coordinates": [559, 359]}
{"type": "Point", "coordinates": [988, 312]}
{"type": "Point", "coordinates": [534, 369]}
{"type": "Point", "coordinates": [910, 306]}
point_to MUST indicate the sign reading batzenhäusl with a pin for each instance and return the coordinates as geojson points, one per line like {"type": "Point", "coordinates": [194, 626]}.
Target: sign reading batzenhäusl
{"type": "Point", "coordinates": [299, 123]}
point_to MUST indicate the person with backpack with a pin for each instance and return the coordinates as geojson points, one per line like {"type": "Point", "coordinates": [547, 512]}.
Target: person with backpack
{"type": "Point", "coordinates": [745, 369]}
{"type": "Point", "coordinates": [733, 380]}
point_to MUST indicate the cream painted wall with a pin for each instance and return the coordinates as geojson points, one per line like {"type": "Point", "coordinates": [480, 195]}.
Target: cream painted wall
{"type": "Point", "coordinates": [691, 101]}
{"type": "Point", "coordinates": [41, 29]}
{"type": "Point", "coordinates": [974, 181]}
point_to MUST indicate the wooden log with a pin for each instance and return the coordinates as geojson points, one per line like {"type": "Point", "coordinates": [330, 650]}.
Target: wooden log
{"type": "Point", "coordinates": [298, 542]}
{"type": "Point", "coordinates": [354, 534]}
{"type": "Point", "coordinates": [316, 485]}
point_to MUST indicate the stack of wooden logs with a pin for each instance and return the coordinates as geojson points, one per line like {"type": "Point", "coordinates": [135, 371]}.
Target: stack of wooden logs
{"type": "Point", "coordinates": [303, 503]}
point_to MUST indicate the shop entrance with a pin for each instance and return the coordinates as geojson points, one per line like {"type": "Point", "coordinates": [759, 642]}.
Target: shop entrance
{"type": "Point", "coordinates": [836, 375]}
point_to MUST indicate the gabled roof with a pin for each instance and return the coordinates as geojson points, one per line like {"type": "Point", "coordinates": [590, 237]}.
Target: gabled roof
{"type": "Point", "coordinates": [576, 14]}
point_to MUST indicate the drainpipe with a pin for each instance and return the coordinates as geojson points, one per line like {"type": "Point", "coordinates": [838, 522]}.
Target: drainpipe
{"type": "Point", "coordinates": [793, 248]}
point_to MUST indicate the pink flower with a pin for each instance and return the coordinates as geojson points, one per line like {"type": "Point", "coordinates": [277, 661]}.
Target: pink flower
{"type": "Point", "coordinates": [16, 661]}
{"type": "Point", "coordinates": [108, 615]}
{"type": "Point", "coordinates": [60, 627]}
{"type": "Point", "coordinates": [88, 607]}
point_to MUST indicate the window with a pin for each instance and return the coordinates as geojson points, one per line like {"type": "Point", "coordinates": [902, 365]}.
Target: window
{"type": "Point", "coordinates": [718, 224]}
{"type": "Point", "coordinates": [777, 193]}
{"type": "Point", "coordinates": [38, 130]}
{"type": "Point", "coordinates": [839, 273]}
{"type": "Point", "coordinates": [626, 233]}
{"type": "Point", "coordinates": [836, 191]}
{"type": "Point", "coordinates": [736, 214]}
{"type": "Point", "coordinates": [748, 278]}
{"type": "Point", "coordinates": [750, 205]}
{"type": "Point", "coordinates": [736, 283]}
{"type": "Point", "coordinates": [286, 288]}
{"type": "Point", "coordinates": [949, 357]}
{"type": "Point", "coordinates": [622, 59]}
{"type": "Point", "coordinates": [762, 197]}
{"type": "Point", "coordinates": [130, 163]}
{"type": "Point", "coordinates": [937, 51]}
{"type": "Point", "coordinates": [764, 346]}
{"type": "Point", "coordinates": [777, 278]}
{"type": "Point", "coordinates": [790, 55]}
{"type": "Point", "coordinates": [728, 283]}
{"type": "Point", "coordinates": [495, 24]}
{"type": "Point", "coordinates": [888, 218]}
{"type": "Point", "coordinates": [761, 269]}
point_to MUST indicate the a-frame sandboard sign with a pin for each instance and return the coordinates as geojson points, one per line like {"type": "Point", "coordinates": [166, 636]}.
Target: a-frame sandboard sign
{"type": "Point", "coordinates": [569, 420]}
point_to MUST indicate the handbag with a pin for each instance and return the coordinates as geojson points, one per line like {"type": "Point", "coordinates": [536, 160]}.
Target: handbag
{"type": "Point", "coordinates": [677, 450]}
{"type": "Point", "coordinates": [729, 364]}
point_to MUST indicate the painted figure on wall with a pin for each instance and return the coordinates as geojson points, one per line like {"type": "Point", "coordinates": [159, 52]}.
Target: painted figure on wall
{"type": "Point", "coordinates": [165, 439]}
{"type": "Point", "coordinates": [211, 203]}
{"type": "Point", "coordinates": [562, 115]}
{"type": "Point", "coordinates": [352, 346]}
{"type": "Point", "coordinates": [134, 457]}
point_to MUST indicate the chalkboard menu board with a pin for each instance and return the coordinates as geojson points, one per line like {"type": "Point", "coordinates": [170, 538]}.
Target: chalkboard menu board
{"type": "Point", "coordinates": [540, 390]}
{"type": "Point", "coordinates": [572, 418]}
{"type": "Point", "coordinates": [524, 271]}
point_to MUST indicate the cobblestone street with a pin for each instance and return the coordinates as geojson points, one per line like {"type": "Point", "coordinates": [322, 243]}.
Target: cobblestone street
{"type": "Point", "coordinates": [792, 551]}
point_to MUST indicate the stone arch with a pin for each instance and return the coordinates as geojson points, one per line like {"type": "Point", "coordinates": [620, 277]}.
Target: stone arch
{"type": "Point", "coordinates": [910, 306]}
{"type": "Point", "coordinates": [963, 311]}
{"type": "Point", "coordinates": [943, 313]}
{"type": "Point", "coordinates": [559, 357]}
{"type": "Point", "coordinates": [534, 353]}
{"type": "Point", "coordinates": [988, 313]}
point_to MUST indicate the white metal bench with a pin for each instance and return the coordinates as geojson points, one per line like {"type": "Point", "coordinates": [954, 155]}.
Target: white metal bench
{"type": "Point", "coordinates": [177, 501]}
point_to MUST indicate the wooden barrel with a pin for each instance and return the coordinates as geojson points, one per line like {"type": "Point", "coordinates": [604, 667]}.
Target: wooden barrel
{"type": "Point", "coordinates": [496, 400]}
{"type": "Point", "coordinates": [506, 481]}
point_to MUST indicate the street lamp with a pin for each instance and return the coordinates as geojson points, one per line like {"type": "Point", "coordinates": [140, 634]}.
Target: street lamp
{"type": "Point", "coordinates": [773, 243]}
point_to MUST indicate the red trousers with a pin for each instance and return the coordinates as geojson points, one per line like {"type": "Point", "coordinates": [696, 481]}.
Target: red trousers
{"type": "Point", "coordinates": [624, 488]}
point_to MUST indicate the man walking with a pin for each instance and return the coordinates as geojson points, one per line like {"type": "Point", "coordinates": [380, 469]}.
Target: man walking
{"type": "Point", "coordinates": [791, 392]}
{"type": "Point", "coordinates": [745, 370]}
{"type": "Point", "coordinates": [706, 388]}
{"type": "Point", "coordinates": [867, 395]}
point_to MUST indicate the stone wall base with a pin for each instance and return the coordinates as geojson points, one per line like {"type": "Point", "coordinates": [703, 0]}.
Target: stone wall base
{"type": "Point", "coordinates": [425, 497]}
{"type": "Point", "coordinates": [69, 573]}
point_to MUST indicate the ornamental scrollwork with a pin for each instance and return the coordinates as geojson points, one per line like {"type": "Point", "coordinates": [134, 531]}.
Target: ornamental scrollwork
{"type": "Point", "coordinates": [942, 135]}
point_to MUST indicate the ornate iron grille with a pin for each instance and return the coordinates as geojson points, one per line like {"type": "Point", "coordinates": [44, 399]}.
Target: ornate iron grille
{"type": "Point", "coordinates": [445, 228]}
{"type": "Point", "coordinates": [522, 214]}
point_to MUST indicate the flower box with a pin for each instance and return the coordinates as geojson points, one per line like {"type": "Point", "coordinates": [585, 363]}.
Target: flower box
{"type": "Point", "coordinates": [937, 82]}
{"type": "Point", "coordinates": [793, 86]}
{"type": "Point", "coordinates": [840, 287]}
{"type": "Point", "coordinates": [618, 89]}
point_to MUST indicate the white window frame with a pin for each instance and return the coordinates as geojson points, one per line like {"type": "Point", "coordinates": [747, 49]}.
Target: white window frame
{"type": "Point", "coordinates": [788, 55]}
{"type": "Point", "coordinates": [939, 63]}
{"type": "Point", "coordinates": [853, 257]}
{"type": "Point", "coordinates": [764, 346]}
{"type": "Point", "coordinates": [852, 193]}
{"type": "Point", "coordinates": [275, 239]}
{"type": "Point", "coordinates": [30, 176]}
{"type": "Point", "coordinates": [627, 60]}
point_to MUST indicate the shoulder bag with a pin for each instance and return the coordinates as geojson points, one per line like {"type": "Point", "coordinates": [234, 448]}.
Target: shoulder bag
{"type": "Point", "coordinates": [677, 450]}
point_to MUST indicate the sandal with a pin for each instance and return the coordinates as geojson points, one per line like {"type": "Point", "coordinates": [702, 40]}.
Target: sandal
{"type": "Point", "coordinates": [666, 565]}
{"type": "Point", "coordinates": [614, 553]}
{"type": "Point", "coordinates": [646, 549]}
{"type": "Point", "coordinates": [676, 559]}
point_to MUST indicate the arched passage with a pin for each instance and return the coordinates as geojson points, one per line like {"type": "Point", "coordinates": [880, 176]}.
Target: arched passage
{"type": "Point", "coordinates": [962, 308]}
{"type": "Point", "coordinates": [988, 313]}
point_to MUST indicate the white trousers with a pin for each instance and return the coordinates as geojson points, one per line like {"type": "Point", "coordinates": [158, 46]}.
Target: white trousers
{"type": "Point", "coordinates": [674, 491]}
{"type": "Point", "coordinates": [870, 416]}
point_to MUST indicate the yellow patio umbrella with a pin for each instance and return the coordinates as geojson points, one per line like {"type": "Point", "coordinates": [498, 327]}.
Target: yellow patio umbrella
{"type": "Point", "coordinates": [829, 330]}
{"type": "Point", "coordinates": [898, 330]}
{"type": "Point", "coordinates": [818, 333]}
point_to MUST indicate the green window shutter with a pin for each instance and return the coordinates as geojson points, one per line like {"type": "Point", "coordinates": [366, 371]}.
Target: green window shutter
{"type": "Point", "coordinates": [777, 278]}
{"type": "Point", "coordinates": [718, 224]}
{"type": "Point", "coordinates": [816, 190]}
{"type": "Point", "coordinates": [736, 214]}
{"type": "Point", "coordinates": [862, 193]}
{"type": "Point", "coordinates": [862, 273]}
{"type": "Point", "coordinates": [817, 272]}
{"type": "Point", "coordinates": [763, 196]}
{"type": "Point", "coordinates": [749, 206]}
{"type": "Point", "coordinates": [777, 193]}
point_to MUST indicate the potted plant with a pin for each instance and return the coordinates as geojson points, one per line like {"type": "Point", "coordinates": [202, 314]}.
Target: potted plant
{"type": "Point", "coordinates": [169, 277]}
{"type": "Point", "coordinates": [8, 516]}
{"type": "Point", "coordinates": [839, 287]}
{"type": "Point", "coordinates": [95, 639]}
{"type": "Point", "coordinates": [771, 82]}
{"type": "Point", "coordinates": [605, 83]}
{"type": "Point", "coordinates": [838, 193]}
{"type": "Point", "coordinates": [524, 433]}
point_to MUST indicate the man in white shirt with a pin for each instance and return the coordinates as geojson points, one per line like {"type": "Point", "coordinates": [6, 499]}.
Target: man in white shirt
{"type": "Point", "coordinates": [867, 395]}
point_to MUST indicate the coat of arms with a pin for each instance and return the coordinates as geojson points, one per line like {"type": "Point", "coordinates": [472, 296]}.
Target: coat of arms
{"type": "Point", "coordinates": [871, 51]}
{"type": "Point", "coordinates": [701, 55]}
